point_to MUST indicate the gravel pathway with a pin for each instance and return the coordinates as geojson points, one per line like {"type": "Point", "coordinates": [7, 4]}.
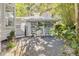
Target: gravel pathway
{"type": "Point", "coordinates": [43, 46]}
{"type": "Point", "coordinates": [40, 46]}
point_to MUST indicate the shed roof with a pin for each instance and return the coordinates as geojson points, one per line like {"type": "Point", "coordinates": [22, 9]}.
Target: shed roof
{"type": "Point", "coordinates": [39, 18]}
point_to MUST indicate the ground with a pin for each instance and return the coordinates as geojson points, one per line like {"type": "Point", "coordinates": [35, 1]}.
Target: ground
{"type": "Point", "coordinates": [40, 46]}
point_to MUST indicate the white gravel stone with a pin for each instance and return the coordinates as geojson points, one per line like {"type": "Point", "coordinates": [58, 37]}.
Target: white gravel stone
{"type": "Point", "coordinates": [45, 42]}
{"type": "Point", "coordinates": [39, 48]}
{"type": "Point", "coordinates": [53, 40]}
{"type": "Point", "coordinates": [49, 45]}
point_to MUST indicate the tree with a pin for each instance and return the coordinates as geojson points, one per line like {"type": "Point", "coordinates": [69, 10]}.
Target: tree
{"type": "Point", "coordinates": [77, 18]}
{"type": "Point", "coordinates": [23, 9]}
{"type": "Point", "coordinates": [66, 10]}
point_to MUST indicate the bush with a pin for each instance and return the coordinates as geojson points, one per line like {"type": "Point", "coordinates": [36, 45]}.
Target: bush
{"type": "Point", "coordinates": [74, 44]}
{"type": "Point", "coordinates": [12, 34]}
{"type": "Point", "coordinates": [66, 32]}
{"type": "Point", "coordinates": [70, 35]}
{"type": "Point", "coordinates": [10, 44]}
{"type": "Point", "coordinates": [10, 37]}
{"type": "Point", "coordinates": [63, 31]}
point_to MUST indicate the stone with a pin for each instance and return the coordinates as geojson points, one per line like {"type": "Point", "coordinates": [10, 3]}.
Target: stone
{"type": "Point", "coordinates": [68, 50]}
{"type": "Point", "coordinates": [39, 48]}
{"type": "Point", "coordinates": [49, 45]}
{"type": "Point", "coordinates": [53, 40]}
{"type": "Point", "coordinates": [50, 42]}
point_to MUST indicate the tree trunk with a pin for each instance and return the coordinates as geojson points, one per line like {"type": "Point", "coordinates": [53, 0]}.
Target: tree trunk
{"type": "Point", "coordinates": [77, 18]}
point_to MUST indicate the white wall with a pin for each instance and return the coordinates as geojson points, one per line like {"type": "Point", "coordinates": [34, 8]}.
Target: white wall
{"type": "Point", "coordinates": [5, 29]}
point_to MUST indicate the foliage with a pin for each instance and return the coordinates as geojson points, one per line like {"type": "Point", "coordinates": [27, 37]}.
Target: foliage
{"type": "Point", "coordinates": [12, 34]}
{"type": "Point", "coordinates": [66, 32]}
{"type": "Point", "coordinates": [10, 37]}
{"type": "Point", "coordinates": [22, 9]}
{"type": "Point", "coordinates": [67, 12]}
{"type": "Point", "coordinates": [10, 44]}
{"type": "Point", "coordinates": [74, 44]}
{"type": "Point", "coordinates": [25, 9]}
{"type": "Point", "coordinates": [61, 30]}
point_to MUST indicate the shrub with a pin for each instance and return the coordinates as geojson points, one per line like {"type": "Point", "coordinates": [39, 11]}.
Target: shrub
{"type": "Point", "coordinates": [10, 37]}
{"type": "Point", "coordinates": [66, 32]}
{"type": "Point", "coordinates": [10, 44]}
{"type": "Point", "coordinates": [63, 31]}
{"type": "Point", "coordinates": [12, 34]}
{"type": "Point", "coordinates": [74, 44]}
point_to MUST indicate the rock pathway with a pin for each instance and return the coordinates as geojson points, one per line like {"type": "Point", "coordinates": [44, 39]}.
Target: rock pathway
{"type": "Point", "coordinates": [39, 46]}
{"type": "Point", "coordinates": [43, 46]}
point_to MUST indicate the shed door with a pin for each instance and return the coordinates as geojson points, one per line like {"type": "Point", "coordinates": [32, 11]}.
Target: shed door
{"type": "Point", "coordinates": [20, 32]}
